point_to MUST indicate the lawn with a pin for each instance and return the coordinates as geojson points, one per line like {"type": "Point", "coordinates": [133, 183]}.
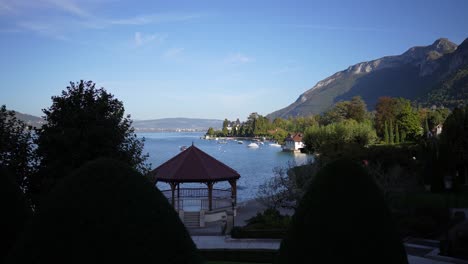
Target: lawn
{"type": "Point", "coordinates": [229, 262]}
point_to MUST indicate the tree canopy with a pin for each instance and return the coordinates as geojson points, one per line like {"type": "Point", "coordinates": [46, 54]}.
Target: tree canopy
{"type": "Point", "coordinates": [84, 123]}
{"type": "Point", "coordinates": [392, 111]}
{"type": "Point", "coordinates": [454, 143]}
{"type": "Point", "coordinates": [16, 152]}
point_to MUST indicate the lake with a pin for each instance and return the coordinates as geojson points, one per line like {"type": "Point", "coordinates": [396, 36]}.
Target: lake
{"type": "Point", "coordinates": [255, 165]}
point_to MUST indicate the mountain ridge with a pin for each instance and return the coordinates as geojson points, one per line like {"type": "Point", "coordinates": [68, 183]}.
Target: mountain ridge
{"type": "Point", "coordinates": [413, 73]}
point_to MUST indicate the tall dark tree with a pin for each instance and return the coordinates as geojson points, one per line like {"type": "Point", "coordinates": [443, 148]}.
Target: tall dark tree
{"type": "Point", "coordinates": [225, 126]}
{"type": "Point", "coordinates": [84, 123]}
{"type": "Point", "coordinates": [387, 135]}
{"type": "Point", "coordinates": [16, 152]}
{"type": "Point", "coordinates": [426, 127]}
{"type": "Point", "coordinates": [397, 134]}
{"type": "Point", "coordinates": [392, 136]}
{"type": "Point", "coordinates": [454, 144]}
{"type": "Point", "coordinates": [385, 110]}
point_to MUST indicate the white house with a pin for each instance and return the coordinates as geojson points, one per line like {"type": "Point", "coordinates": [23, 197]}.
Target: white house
{"type": "Point", "coordinates": [293, 143]}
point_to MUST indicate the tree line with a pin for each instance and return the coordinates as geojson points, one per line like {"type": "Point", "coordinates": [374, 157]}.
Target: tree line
{"type": "Point", "coordinates": [394, 121]}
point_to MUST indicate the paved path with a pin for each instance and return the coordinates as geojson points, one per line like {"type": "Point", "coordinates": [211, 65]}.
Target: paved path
{"type": "Point", "coordinates": [417, 254]}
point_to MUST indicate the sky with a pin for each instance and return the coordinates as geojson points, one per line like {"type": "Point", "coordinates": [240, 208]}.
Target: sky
{"type": "Point", "coordinates": [204, 59]}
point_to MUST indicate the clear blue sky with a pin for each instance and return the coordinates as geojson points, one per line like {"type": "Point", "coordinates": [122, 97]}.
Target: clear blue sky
{"type": "Point", "coordinates": [204, 59]}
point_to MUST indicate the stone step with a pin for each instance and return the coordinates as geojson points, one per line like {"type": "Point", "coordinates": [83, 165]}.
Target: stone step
{"type": "Point", "coordinates": [192, 219]}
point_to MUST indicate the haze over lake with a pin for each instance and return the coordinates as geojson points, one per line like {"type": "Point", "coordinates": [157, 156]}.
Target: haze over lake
{"type": "Point", "coordinates": [255, 165]}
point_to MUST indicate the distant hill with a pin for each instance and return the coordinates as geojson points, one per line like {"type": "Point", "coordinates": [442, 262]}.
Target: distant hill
{"type": "Point", "coordinates": [176, 124]}
{"type": "Point", "coordinates": [413, 75]}
{"type": "Point", "coordinates": [155, 125]}
{"type": "Point", "coordinates": [30, 120]}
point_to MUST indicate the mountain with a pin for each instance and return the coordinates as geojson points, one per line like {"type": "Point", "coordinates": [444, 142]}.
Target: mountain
{"type": "Point", "coordinates": [176, 124]}
{"type": "Point", "coordinates": [30, 120]}
{"type": "Point", "coordinates": [412, 75]}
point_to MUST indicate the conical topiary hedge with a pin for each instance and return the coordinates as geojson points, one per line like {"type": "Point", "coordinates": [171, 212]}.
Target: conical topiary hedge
{"type": "Point", "coordinates": [342, 218]}
{"type": "Point", "coordinates": [15, 212]}
{"type": "Point", "coordinates": [106, 212]}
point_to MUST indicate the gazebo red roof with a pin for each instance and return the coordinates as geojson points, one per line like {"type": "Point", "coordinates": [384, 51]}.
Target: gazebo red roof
{"type": "Point", "coordinates": [193, 165]}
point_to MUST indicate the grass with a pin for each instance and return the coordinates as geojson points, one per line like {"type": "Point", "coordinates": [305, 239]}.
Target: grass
{"type": "Point", "coordinates": [228, 262]}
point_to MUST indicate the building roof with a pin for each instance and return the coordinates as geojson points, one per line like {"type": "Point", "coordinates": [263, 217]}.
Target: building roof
{"type": "Point", "coordinates": [193, 165]}
{"type": "Point", "coordinates": [296, 137]}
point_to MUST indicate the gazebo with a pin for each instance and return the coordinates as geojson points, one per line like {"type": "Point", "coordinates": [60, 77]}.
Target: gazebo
{"type": "Point", "coordinates": [192, 165]}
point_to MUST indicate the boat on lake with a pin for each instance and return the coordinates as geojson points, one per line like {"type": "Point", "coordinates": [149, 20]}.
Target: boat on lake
{"type": "Point", "coordinates": [275, 145]}
{"type": "Point", "coordinates": [240, 142]}
{"type": "Point", "coordinates": [253, 145]}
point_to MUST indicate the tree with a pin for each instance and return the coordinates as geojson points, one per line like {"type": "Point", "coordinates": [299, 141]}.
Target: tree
{"type": "Point", "coordinates": [84, 123]}
{"type": "Point", "coordinates": [16, 151]}
{"type": "Point", "coordinates": [397, 134]}
{"type": "Point", "coordinates": [454, 144]}
{"type": "Point", "coordinates": [225, 125]}
{"type": "Point", "coordinates": [339, 139]}
{"type": "Point", "coordinates": [357, 109]}
{"type": "Point", "coordinates": [426, 127]}
{"type": "Point", "coordinates": [408, 119]}
{"type": "Point", "coordinates": [287, 186]}
{"type": "Point", "coordinates": [392, 137]}
{"type": "Point", "coordinates": [210, 131]}
{"type": "Point", "coordinates": [385, 111]}
{"type": "Point", "coordinates": [387, 136]}
{"type": "Point", "coordinates": [318, 233]}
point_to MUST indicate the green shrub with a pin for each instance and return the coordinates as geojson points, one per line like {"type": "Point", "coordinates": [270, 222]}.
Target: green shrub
{"type": "Point", "coordinates": [106, 212]}
{"type": "Point", "coordinates": [242, 232]}
{"type": "Point", "coordinates": [342, 218]}
{"type": "Point", "coordinates": [227, 255]}
{"type": "Point", "coordinates": [268, 219]}
{"type": "Point", "coordinates": [268, 224]}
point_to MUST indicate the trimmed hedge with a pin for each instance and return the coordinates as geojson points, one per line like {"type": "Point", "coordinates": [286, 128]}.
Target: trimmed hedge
{"type": "Point", "coordinates": [240, 255]}
{"type": "Point", "coordinates": [342, 218]}
{"type": "Point", "coordinates": [15, 212]}
{"type": "Point", "coordinates": [106, 212]}
{"type": "Point", "coordinates": [239, 232]}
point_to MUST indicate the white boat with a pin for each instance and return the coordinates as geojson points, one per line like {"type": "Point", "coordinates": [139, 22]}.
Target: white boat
{"type": "Point", "coordinates": [240, 142]}
{"type": "Point", "coordinates": [253, 145]}
{"type": "Point", "coordinates": [275, 145]}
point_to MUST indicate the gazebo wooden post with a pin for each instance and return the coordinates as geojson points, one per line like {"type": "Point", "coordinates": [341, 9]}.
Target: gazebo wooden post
{"type": "Point", "coordinates": [172, 190]}
{"type": "Point", "coordinates": [233, 184]}
{"type": "Point", "coordinates": [210, 195]}
{"type": "Point", "coordinates": [178, 196]}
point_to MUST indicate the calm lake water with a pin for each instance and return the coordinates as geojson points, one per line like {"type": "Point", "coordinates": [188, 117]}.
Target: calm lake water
{"type": "Point", "coordinates": [255, 165]}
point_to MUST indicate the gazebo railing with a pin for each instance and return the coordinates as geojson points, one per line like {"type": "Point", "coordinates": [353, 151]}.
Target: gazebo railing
{"type": "Point", "coordinates": [198, 198]}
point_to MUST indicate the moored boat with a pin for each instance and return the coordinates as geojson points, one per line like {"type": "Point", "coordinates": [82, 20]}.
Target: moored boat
{"type": "Point", "coordinates": [253, 145]}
